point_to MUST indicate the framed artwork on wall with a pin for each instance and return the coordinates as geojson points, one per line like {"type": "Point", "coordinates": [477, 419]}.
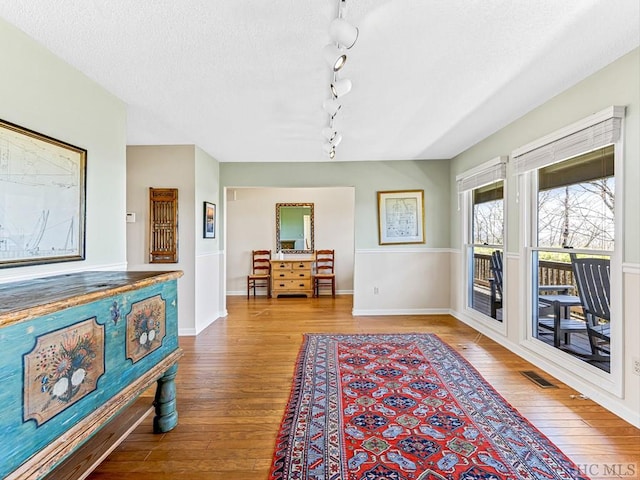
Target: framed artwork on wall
{"type": "Point", "coordinates": [209, 230]}
{"type": "Point", "coordinates": [42, 206]}
{"type": "Point", "coordinates": [400, 217]}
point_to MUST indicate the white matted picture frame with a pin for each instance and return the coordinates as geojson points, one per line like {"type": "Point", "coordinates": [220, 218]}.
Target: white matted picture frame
{"type": "Point", "coordinates": [42, 200]}
{"type": "Point", "coordinates": [400, 217]}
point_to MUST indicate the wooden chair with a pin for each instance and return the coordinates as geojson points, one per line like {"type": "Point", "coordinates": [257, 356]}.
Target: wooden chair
{"type": "Point", "coordinates": [260, 275]}
{"type": "Point", "coordinates": [324, 274]}
{"type": "Point", "coordinates": [592, 276]}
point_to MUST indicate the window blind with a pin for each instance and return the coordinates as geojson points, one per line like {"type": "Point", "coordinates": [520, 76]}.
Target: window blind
{"type": "Point", "coordinates": [588, 167]}
{"type": "Point", "coordinates": [489, 193]}
{"type": "Point", "coordinates": [581, 141]}
{"type": "Point", "coordinates": [483, 176]}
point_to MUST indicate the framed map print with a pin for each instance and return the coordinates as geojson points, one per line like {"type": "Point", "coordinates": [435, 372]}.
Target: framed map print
{"type": "Point", "coordinates": [401, 217]}
{"type": "Point", "coordinates": [42, 206]}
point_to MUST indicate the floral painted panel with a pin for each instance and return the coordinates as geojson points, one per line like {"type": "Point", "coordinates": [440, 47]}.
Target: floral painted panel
{"type": "Point", "coordinates": [145, 327]}
{"type": "Point", "coordinates": [63, 367]}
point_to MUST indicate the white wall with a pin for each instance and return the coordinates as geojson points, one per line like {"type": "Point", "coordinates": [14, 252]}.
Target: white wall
{"type": "Point", "coordinates": [196, 176]}
{"type": "Point", "coordinates": [40, 92]}
{"type": "Point", "coordinates": [396, 281]}
{"type": "Point", "coordinates": [164, 167]}
{"type": "Point", "coordinates": [209, 286]}
{"type": "Point", "coordinates": [251, 225]}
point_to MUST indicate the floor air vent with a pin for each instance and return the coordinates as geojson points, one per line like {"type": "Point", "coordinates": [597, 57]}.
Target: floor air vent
{"type": "Point", "coordinates": [538, 380]}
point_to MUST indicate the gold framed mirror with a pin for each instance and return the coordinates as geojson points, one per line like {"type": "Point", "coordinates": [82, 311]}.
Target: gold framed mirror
{"type": "Point", "coordinates": [294, 228]}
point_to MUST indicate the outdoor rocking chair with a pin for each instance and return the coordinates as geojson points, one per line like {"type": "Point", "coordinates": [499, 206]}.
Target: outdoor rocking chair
{"type": "Point", "coordinates": [592, 276]}
{"type": "Point", "coordinates": [495, 282]}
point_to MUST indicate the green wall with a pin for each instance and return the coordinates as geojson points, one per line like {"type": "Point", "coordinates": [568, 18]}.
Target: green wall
{"type": "Point", "coordinates": [616, 84]}
{"type": "Point", "coordinates": [41, 92]}
{"type": "Point", "coordinates": [367, 178]}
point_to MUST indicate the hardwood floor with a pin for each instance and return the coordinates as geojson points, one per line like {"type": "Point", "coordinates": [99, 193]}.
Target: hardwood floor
{"type": "Point", "coordinates": [235, 377]}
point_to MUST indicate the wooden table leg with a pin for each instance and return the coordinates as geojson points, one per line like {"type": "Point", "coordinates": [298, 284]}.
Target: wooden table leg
{"type": "Point", "coordinates": [165, 402]}
{"type": "Point", "coordinates": [556, 324]}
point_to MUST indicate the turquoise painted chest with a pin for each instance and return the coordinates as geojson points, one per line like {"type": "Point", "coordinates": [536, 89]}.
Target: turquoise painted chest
{"type": "Point", "coordinates": [74, 350]}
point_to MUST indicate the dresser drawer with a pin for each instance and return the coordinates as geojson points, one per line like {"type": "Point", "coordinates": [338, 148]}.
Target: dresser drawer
{"type": "Point", "coordinates": [281, 266]}
{"type": "Point", "coordinates": [292, 285]}
{"type": "Point", "coordinates": [301, 265]}
{"type": "Point", "coordinates": [292, 274]}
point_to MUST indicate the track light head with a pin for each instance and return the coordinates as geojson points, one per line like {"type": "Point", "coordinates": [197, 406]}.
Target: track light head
{"type": "Point", "coordinates": [331, 106]}
{"type": "Point", "coordinates": [343, 33]}
{"type": "Point", "coordinates": [329, 133]}
{"type": "Point", "coordinates": [341, 87]}
{"type": "Point", "coordinates": [329, 150]}
{"type": "Point", "coordinates": [334, 57]}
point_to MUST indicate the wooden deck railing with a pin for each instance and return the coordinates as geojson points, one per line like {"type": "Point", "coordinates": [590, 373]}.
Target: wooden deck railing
{"type": "Point", "coordinates": [549, 273]}
{"type": "Point", "coordinates": [481, 269]}
{"type": "Point", "coordinates": [556, 273]}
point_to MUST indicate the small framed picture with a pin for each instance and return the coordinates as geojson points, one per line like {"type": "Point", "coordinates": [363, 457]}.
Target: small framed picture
{"type": "Point", "coordinates": [209, 229]}
{"type": "Point", "coordinates": [401, 217]}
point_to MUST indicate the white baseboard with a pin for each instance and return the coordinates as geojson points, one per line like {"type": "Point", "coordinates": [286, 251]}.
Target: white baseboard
{"type": "Point", "coordinates": [408, 311]}
{"type": "Point", "coordinates": [243, 293]}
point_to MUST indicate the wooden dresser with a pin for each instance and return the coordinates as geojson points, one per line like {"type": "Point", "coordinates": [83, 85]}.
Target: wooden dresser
{"type": "Point", "coordinates": [291, 277]}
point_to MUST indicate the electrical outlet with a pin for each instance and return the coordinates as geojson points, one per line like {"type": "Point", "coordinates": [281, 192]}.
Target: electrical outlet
{"type": "Point", "coordinates": [635, 361]}
{"type": "Point", "coordinates": [375, 290]}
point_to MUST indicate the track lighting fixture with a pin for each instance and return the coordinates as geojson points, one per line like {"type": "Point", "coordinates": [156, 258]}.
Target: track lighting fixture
{"type": "Point", "coordinates": [335, 141]}
{"type": "Point", "coordinates": [334, 57]}
{"type": "Point", "coordinates": [340, 87]}
{"type": "Point", "coordinates": [331, 106]}
{"type": "Point", "coordinates": [343, 33]}
{"type": "Point", "coordinates": [344, 36]}
{"type": "Point", "coordinates": [329, 133]}
{"type": "Point", "coordinates": [329, 150]}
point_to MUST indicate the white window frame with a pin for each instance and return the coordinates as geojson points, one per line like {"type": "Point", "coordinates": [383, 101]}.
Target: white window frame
{"type": "Point", "coordinates": [596, 131]}
{"type": "Point", "coordinates": [489, 172]}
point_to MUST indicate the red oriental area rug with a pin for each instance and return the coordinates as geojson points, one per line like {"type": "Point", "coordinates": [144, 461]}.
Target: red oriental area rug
{"type": "Point", "coordinates": [403, 407]}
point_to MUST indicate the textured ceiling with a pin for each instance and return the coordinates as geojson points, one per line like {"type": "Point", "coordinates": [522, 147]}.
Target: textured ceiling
{"type": "Point", "coordinates": [245, 80]}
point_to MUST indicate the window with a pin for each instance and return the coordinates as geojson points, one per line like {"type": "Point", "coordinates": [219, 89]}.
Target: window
{"type": "Point", "coordinates": [483, 191]}
{"type": "Point", "coordinates": [575, 213]}
{"type": "Point", "coordinates": [576, 201]}
{"type": "Point", "coordinates": [572, 178]}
